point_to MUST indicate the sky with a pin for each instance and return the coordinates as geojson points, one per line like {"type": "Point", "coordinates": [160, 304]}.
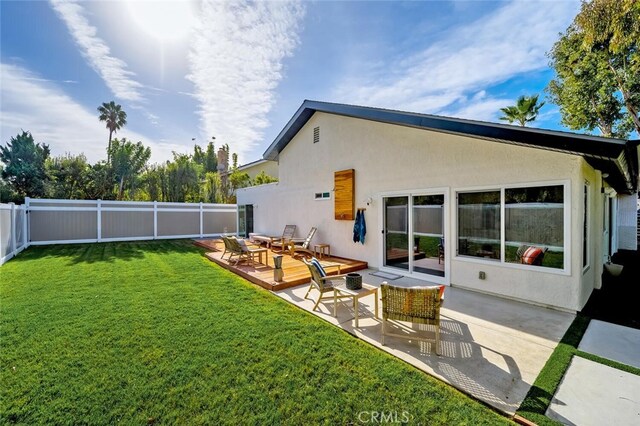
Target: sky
{"type": "Point", "coordinates": [189, 71]}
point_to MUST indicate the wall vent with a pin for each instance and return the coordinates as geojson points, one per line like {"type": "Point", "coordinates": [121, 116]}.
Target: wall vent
{"type": "Point", "coordinates": [316, 134]}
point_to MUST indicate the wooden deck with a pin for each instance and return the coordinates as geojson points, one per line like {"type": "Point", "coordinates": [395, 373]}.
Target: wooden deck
{"type": "Point", "coordinates": [295, 272]}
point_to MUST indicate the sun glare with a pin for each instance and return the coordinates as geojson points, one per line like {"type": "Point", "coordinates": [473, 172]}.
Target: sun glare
{"type": "Point", "coordinates": [168, 20]}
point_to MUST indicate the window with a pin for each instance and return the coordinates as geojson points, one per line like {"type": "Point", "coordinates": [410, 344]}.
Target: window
{"type": "Point", "coordinates": [479, 224]}
{"type": "Point", "coordinates": [585, 228]}
{"type": "Point", "coordinates": [322, 195]}
{"type": "Point", "coordinates": [534, 218]}
{"type": "Point", "coordinates": [516, 225]}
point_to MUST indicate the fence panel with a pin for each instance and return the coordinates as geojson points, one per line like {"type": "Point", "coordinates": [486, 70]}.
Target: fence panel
{"type": "Point", "coordinates": [76, 221]}
{"type": "Point", "coordinates": [12, 231]}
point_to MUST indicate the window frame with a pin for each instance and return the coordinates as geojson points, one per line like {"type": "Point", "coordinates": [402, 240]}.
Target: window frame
{"type": "Point", "coordinates": [586, 217]}
{"type": "Point", "coordinates": [566, 184]}
{"type": "Point", "coordinates": [322, 197]}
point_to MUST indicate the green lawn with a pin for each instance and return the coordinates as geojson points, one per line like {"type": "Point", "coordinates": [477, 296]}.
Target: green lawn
{"type": "Point", "coordinates": [153, 333]}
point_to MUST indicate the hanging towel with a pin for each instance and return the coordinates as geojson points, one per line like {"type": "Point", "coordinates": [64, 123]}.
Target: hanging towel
{"type": "Point", "coordinates": [363, 227]}
{"type": "Point", "coordinates": [356, 228]}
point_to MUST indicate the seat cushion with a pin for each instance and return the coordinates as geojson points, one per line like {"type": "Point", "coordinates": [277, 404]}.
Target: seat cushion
{"type": "Point", "coordinates": [531, 254]}
{"type": "Point", "coordinates": [318, 266]}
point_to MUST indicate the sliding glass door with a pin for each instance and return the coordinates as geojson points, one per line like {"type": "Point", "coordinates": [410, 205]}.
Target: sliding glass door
{"type": "Point", "coordinates": [414, 235]}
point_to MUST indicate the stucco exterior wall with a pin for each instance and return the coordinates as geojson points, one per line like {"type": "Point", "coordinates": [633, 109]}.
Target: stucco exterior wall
{"type": "Point", "coordinates": [389, 158]}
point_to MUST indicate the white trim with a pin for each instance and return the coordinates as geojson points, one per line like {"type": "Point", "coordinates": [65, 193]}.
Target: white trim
{"type": "Point", "coordinates": [567, 243]}
{"type": "Point", "coordinates": [586, 217]}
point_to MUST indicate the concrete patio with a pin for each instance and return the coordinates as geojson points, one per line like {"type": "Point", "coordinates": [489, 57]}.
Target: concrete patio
{"type": "Point", "coordinates": [491, 348]}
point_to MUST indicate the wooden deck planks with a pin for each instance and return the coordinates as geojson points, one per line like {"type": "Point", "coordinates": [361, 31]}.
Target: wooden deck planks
{"type": "Point", "coordinates": [295, 272]}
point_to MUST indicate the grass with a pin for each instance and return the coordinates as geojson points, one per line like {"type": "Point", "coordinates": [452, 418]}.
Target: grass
{"type": "Point", "coordinates": [153, 333]}
{"type": "Point", "coordinates": [539, 397]}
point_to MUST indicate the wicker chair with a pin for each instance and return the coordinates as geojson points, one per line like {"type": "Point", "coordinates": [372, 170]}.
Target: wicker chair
{"type": "Point", "coordinates": [415, 305]}
{"type": "Point", "coordinates": [321, 281]}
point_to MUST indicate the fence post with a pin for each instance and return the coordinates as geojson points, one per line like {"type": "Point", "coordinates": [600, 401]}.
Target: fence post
{"type": "Point", "coordinates": [155, 220]}
{"type": "Point", "coordinates": [201, 221]}
{"type": "Point", "coordinates": [13, 228]}
{"type": "Point", "coordinates": [27, 221]}
{"type": "Point", "coordinates": [99, 216]}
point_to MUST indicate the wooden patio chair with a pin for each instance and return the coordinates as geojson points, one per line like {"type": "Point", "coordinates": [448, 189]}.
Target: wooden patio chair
{"type": "Point", "coordinates": [415, 305]}
{"type": "Point", "coordinates": [236, 250]}
{"type": "Point", "coordinates": [283, 241]}
{"type": "Point", "coordinates": [301, 245]}
{"type": "Point", "coordinates": [321, 281]}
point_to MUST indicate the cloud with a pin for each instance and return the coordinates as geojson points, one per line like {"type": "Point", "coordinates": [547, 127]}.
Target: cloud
{"type": "Point", "coordinates": [30, 104]}
{"type": "Point", "coordinates": [236, 64]}
{"type": "Point", "coordinates": [112, 70]}
{"type": "Point", "coordinates": [444, 76]}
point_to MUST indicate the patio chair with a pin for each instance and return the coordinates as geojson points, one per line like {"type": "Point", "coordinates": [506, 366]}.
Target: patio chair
{"type": "Point", "coordinates": [287, 234]}
{"type": "Point", "coordinates": [530, 255]}
{"type": "Point", "coordinates": [301, 245]}
{"type": "Point", "coordinates": [239, 247]}
{"type": "Point", "coordinates": [415, 305]}
{"type": "Point", "coordinates": [441, 250]}
{"type": "Point", "coordinates": [321, 281]}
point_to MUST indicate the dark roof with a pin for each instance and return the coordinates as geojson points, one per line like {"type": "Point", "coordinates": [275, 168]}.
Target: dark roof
{"type": "Point", "coordinates": [617, 157]}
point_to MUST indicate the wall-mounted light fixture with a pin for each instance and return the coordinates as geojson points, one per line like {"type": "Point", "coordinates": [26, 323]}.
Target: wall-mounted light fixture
{"type": "Point", "coordinates": [604, 176]}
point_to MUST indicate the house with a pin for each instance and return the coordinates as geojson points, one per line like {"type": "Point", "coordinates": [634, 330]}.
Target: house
{"type": "Point", "coordinates": [254, 168]}
{"type": "Point", "coordinates": [455, 201]}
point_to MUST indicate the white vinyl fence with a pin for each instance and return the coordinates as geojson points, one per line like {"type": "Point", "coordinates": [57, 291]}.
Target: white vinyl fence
{"type": "Point", "coordinates": [47, 221]}
{"type": "Point", "coordinates": [13, 231]}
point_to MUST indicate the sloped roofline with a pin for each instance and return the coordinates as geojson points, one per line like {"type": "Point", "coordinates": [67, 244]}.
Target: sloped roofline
{"type": "Point", "coordinates": [618, 157]}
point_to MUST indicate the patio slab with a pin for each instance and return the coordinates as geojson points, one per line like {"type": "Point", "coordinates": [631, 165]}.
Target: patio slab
{"type": "Point", "coordinates": [491, 348]}
{"type": "Point", "coordinates": [596, 394]}
{"type": "Point", "coordinates": [614, 342]}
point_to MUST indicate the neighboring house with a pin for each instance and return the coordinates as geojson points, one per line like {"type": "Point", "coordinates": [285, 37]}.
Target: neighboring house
{"type": "Point", "coordinates": [253, 169]}
{"type": "Point", "coordinates": [452, 201]}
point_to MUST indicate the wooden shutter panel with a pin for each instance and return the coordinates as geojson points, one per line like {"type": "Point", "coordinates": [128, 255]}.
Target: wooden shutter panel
{"type": "Point", "coordinates": [344, 183]}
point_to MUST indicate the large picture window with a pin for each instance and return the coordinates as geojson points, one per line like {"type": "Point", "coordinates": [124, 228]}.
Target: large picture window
{"type": "Point", "coordinates": [523, 225]}
{"type": "Point", "coordinates": [479, 224]}
{"type": "Point", "coordinates": [534, 225]}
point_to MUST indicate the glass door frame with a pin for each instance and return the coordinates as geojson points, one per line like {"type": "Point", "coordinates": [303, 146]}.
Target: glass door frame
{"type": "Point", "coordinates": [446, 280]}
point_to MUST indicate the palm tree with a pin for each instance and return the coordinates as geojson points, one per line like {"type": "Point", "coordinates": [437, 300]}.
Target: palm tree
{"type": "Point", "coordinates": [115, 118]}
{"type": "Point", "coordinates": [524, 111]}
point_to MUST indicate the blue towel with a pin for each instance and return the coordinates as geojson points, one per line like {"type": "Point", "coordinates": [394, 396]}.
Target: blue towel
{"type": "Point", "coordinates": [356, 228]}
{"type": "Point", "coordinates": [363, 227]}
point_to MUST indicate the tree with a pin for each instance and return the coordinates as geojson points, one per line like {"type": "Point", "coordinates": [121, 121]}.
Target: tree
{"type": "Point", "coordinates": [183, 179]}
{"type": "Point", "coordinates": [597, 64]}
{"type": "Point", "coordinates": [115, 118]}
{"type": "Point", "coordinates": [128, 161]}
{"type": "Point", "coordinates": [524, 111]}
{"type": "Point", "coordinates": [263, 178]}
{"type": "Point", "coordinates": [24, 162]}
{"type": "Point", "coordinates": [210, 159]}
{"type": "Point", "coordinates": [212, 189]}
{"type": "Point", "coordinates": [99, 182]}
{"type": "Point", "coordinates": [67, 176]}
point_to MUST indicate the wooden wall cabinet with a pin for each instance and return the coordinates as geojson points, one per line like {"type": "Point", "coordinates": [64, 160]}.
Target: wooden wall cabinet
{"type": "Point", "coordinates": [344, 184]}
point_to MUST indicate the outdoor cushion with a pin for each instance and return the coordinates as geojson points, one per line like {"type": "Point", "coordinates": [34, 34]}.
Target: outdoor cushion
{"type": "Point", "coordinates": [319, 267]}
{"type": "Point", "coordinates": [530, 255]}
{"type": "Point", "coordinates": [243, 244]}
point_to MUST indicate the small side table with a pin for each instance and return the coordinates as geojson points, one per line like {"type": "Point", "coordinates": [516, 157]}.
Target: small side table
{"type": "Point", "coordinates": [341, 291]}
{"type": "Point", "coordinates": [322, 250]}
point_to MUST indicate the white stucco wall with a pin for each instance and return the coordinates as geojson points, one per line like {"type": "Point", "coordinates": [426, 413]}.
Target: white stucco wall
{"type": "Point", "coordinates": [389, 158]}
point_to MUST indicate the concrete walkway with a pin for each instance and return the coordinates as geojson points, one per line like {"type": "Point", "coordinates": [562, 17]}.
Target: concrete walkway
{"type": "Point", "coordinates": [491, 348]}
{"type": "Point", "coordinates": [595, 394]}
